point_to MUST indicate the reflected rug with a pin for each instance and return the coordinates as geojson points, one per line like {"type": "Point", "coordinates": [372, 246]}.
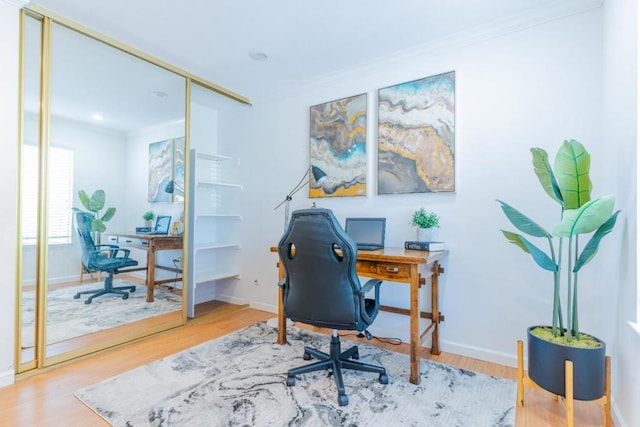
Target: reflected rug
{"type": "Point", "coordinates": [69, 318]}
{"type": "Point", "coordinates": [240, 380]}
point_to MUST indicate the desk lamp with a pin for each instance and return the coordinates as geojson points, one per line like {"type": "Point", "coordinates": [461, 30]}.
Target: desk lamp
{"type": "Point", "coordinates": [317, 174]}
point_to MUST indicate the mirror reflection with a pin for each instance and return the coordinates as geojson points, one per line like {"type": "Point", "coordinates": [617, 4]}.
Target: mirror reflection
{"type": "Point", "coordinates": [115, 196]}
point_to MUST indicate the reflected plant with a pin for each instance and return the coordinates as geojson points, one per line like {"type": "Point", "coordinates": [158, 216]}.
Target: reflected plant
{"type": "Point", "coordinates": [94, 205]}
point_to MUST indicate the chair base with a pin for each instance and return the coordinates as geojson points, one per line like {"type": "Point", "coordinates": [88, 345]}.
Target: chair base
{"type": "Point", "coordinates": [108, 289]}
{"type": "Point", "coordinates": [336, 361]}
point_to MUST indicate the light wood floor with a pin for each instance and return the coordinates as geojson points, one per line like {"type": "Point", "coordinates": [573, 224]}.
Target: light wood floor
{"type": "Point", "coordinates": [46, 399]}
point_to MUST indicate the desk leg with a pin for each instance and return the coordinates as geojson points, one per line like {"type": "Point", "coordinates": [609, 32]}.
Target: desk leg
{"type": "Point", "coordinates": [435, 335]}
{"type": "Point", "coordinates": [282, 321]}
{"type": "Point", "coordinates": [151, 272]}
{"type": "Point", "coordinates": [414, 331]}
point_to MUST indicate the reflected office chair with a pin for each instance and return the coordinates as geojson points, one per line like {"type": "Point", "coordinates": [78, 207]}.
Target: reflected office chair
{"type": "Point", "coordinates": [105, 258]}
{"type": "Point", "coordinates": [321, 288]}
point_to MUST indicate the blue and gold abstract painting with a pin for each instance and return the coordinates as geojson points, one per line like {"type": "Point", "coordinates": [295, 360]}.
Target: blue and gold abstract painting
{"type": "Point", "coordinates": [160, 170]}
{"type": "Point", "coordinates": [338, 146]}
{"type": "Point", "coordinates": [416, 136]}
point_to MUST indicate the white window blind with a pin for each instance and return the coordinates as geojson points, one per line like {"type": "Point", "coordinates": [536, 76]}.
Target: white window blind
{"type": "Point", "coordinates": [60, 197]}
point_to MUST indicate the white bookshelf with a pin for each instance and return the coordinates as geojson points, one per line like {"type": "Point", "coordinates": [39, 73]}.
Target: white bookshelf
{"type": "Point", "coordinates": [214, 247]}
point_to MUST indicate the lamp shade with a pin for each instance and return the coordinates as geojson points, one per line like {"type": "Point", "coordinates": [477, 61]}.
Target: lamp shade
{"type": "Point", "coordinates": [318, 174]}
{"type": "Point", "coordinates": [169, 188]}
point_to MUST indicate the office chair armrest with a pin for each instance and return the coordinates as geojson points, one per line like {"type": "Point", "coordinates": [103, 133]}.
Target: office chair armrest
{"type": "Point", "coordinates": [113, 250]}
{"type": "Point", "coordinates": [125, 251]}
{"type": "Point", "coordinates": [99, 247]}
{"type": "Point", "coordinates": [372, 283]}
{"type": "Point", "coordinates": [369, 285]}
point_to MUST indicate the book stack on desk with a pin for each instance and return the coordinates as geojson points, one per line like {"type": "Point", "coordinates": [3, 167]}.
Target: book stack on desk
{"type": "Point", "coordinates": [424, 246]}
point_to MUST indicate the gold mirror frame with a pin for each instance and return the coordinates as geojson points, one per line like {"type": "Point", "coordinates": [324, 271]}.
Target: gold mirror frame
{"type": "Point", "coordinates": [47, 18]}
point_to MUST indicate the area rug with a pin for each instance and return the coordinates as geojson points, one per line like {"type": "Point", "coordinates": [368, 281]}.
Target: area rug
{"type": "Point", "coordinates": [69, 318]}
{"type": "Point", "coordinates": [240, 380]}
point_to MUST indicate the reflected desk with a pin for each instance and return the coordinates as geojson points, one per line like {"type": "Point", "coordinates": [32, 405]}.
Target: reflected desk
{"type": "Point", "coordinates": [396, 265]}
{"type": "Point", "coordinates": [151, 243]}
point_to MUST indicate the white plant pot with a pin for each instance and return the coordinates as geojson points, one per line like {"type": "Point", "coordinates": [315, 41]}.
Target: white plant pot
{"type": "Point", "coordinates": [424, 234]}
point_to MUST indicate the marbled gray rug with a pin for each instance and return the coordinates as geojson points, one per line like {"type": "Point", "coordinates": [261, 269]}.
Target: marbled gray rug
{"type": "Point", "coordinates": [69, 318]}
{"type": "Point", "coordinates": [240, 380]}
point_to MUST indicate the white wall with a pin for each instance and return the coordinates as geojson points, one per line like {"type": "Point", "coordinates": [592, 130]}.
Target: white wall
{"type": "Point", "coordinates": [9, 37]}
{"type": "Point", "coordinates": [530, 88]}
{"type": "Point", "coordinates": [620, 133]}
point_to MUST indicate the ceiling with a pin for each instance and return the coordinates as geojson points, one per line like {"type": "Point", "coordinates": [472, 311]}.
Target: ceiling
{"type": "Point", "coordinates": [303, 40]}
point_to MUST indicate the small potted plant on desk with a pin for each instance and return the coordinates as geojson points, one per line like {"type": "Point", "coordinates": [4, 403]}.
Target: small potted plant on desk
{"type": "Point", "coordinates": [425, 222]}
{"type": "Point", "coordinates": [568, 183]}
{"type": "Point", "coordinates": [148, 216]}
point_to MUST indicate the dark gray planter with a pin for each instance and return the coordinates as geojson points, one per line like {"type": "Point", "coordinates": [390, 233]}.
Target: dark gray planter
{"type": "Point", "coordinates": [546, 367]}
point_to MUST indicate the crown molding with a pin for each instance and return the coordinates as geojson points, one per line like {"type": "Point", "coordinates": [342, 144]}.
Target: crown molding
{"type": "Point", "coordinates": [515, 23]}
{"type": "Point", "coordinates": [16, 3]}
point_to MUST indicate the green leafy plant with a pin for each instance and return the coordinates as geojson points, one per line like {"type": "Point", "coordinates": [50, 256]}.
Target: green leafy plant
{"type": "Point", "coordinates": [94, 205]}
{"type": "Point", "coordinates": [148, 216]}
{"type": "Point", "coordinates": [423, 219]}
{"type": "Point", "coordinates": [569, 184]}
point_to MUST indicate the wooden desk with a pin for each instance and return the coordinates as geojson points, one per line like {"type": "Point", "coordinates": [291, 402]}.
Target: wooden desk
{"type": "Point", "coordinates": [396, 265]}
{"type": "Point", "coordinates": [151, 243]}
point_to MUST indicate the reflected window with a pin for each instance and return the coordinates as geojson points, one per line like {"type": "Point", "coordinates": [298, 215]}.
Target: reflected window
{"type": "Point", "coordinates": [60, 194]}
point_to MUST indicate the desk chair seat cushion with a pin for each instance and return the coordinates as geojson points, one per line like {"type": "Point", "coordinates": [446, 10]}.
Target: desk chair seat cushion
{"type": "Point", "coordinates": [107, 258]}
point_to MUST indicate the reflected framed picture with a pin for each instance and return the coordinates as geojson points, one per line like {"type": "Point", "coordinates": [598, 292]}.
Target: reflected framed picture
{"type": "Point", "coordinates": [416, 136]}
{"type": "Point", "coordinates": [178, 170]}
{"type": "Point", "coordinates": [160, 171]}
{"type": "Point", "coordinates": [338, 146]}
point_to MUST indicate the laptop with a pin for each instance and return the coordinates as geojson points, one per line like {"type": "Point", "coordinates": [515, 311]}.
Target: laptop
{"type": "Point", "coordinates": [367, 233]}
{"type": "Point", "coordinates": [161, 227]}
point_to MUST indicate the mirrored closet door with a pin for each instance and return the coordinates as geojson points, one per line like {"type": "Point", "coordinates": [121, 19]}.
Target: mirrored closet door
{"type": "Point", "coordinates": [110, 140]}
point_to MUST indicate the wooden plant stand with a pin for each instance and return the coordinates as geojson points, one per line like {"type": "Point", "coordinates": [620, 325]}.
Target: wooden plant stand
{"type": "Point", "coordinates": [524, 380]}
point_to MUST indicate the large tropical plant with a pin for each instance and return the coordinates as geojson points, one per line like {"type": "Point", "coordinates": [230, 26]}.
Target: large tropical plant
{"type": "Point", "coordinates": [94, 205]}
{"type": "Point", "coordinates": [569, 184]}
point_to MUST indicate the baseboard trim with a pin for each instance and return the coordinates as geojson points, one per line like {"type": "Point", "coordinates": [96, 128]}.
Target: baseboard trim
{"type": "Point", "coordinates": [501, 358]}
{"type": "Point", "coordinates": [270, 308]}
{"type": "Point", "coordinates": [231, 299]}
{"type": "Point", "coordinates": [7, 378]}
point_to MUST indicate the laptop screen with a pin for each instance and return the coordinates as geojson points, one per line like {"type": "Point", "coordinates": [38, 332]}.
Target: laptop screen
{"type": "Point", "coordinates": [162, 224]}
{"type": "Point", "coordinates": [367, 233]}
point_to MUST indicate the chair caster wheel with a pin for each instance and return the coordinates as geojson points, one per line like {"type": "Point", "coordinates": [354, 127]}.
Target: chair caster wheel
{"type": "Point", "coordinates": [383, 379]}
{"type": "Point", "coordinates": [133, 289]}
{"type": "Point", "coordinates": [343, 400]}
{"type": "Point", "coordinates": [125, 296]}
{"type": "Point", "coordinates": [306, 356]}
{"type": "Point", "coordinates": [291, 381]}
{"type": "Point", "coordinates": [355, 356]}
{"type": "Point", "coordinates": [87, 301]}
{"type": "Point", "coordinates": [76, 296]}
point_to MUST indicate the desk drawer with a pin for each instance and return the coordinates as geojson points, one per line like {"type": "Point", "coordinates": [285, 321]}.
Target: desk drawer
{"type": "Point", "coordinates": [132, 242]}
{"type": "Point", "coordinates": [384, 270]}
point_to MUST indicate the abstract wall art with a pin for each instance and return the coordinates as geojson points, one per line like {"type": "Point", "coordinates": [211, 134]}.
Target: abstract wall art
{"type": "Point", "coordinates": [338, 146]}
{"type": "Point", "coordinates": [160, 170]}
{"type": "Point", "coordinates": [178, 170]}
{"type": "Point", "coordinates": [166, 171]}
{"type": "Point", "coordinates": [416, 136]}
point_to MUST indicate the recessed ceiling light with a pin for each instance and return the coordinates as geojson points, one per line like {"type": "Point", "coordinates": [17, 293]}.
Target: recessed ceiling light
{"type": "Point", "coordinates": [258, 56]}
{"type": "Point", "coordinates": [97, 116]}
{"type": "Point", "coordinates": [160, 94]}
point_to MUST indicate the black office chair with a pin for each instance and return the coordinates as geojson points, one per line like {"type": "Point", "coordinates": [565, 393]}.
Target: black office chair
{"type": "Point", "coordinates": [101, 258]}
{"type": "Point", "coordinates": [321, 288]}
